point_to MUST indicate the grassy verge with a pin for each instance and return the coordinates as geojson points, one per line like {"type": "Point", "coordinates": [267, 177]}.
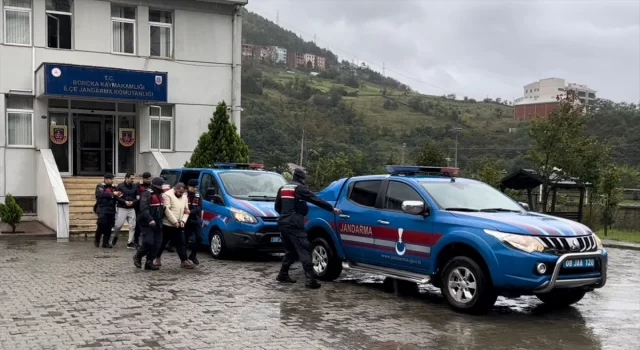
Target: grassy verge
{"type": "Point", "coordinates": [622, 236]}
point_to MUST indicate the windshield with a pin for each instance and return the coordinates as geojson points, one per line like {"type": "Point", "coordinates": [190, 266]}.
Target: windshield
{"type": "Point", "coordinates": [253, 185]}
{"type": "Point", "coordinates": [473, 196]}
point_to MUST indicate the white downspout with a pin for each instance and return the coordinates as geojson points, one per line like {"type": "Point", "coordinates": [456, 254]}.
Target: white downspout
{"type": "Point", "coordinates": [236, 71]}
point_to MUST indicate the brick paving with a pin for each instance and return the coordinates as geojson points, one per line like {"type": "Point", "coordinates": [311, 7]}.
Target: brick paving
{"type": "Point", "coordinates": [74, 296]}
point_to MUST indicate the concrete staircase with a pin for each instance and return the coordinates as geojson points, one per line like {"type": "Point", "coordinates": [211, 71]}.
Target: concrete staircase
{"type": "Point", "coordinates": [81, 192]}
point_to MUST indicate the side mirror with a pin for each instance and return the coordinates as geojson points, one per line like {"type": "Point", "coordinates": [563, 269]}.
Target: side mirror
{"type": "Point", "coordinates": [414, 208]}
{"type": "Point", "coordinates": [524, 205]}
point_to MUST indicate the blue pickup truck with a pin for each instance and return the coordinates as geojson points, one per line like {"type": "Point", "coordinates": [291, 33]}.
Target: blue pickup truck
{"type": "Point", "coordinates": [423, 224]}
{"type": "Point", "coordinates": [237, 206]}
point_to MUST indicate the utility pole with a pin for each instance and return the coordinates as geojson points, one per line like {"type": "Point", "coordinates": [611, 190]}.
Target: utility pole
{"type": "Point", "coordinates": [278, 18]}
{"type": "Point", "coordinates": [302, 148]}
{"type": "Point", "coordinates": [404, 145]}
{"type": "Point", "coordinates": [457, 131]}
{"type": "Point", "coordinates": [383, 70]}
{"type": "Point", "coordinates": [314, 38]}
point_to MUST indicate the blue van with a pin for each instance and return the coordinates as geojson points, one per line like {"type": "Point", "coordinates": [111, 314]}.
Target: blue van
{"type": "Point", "coordinates": [237, 206]}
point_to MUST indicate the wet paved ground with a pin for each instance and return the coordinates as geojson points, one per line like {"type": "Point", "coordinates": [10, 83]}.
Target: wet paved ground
{"type": "Point", "coordinates": [74, 296]}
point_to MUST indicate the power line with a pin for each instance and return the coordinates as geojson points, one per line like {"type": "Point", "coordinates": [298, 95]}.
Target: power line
{"type": "Point", "coordinates": [335, 48]}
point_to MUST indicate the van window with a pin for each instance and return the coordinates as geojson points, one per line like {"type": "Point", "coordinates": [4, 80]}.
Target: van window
{"type": "Point", "coordinates": [188, 175]}
{"type": "Point", "coordinates": [170, 177]}
{"type": "Point", "coordinates": [208, 182]}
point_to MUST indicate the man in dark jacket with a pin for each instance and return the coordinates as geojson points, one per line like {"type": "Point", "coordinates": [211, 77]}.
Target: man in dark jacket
{"type": "Point", "coordinates": [193, 228]}
{"type": "Point", "coordinates": [150, 221]}
{"type": "Point", "coordinates": [106, 196]}
{"type": "Point", "coordinates": [291, 204]}
{"type": "Point", "coordinates": [125, 210]}
{"type": "Point", "coordinates": [142, 188]}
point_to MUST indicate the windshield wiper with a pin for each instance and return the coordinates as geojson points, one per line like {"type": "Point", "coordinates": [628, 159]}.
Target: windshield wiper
{"type": "Point", "coordinates": [263, 197]}
{"type": "Point", "coordinates": [500, 210]}
{"type": "Point", "coordinates": [462, 209]}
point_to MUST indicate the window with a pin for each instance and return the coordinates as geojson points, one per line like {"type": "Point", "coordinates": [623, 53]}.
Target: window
{"type": "Point", "coordinates": [170, 177]}
{"type": "Point", "coordinates": [470, 195]}
{"type": "Point", "coordinates": [365, 192]}
{"type": "Point", "coordinates": [398, 192]}
{"type": "Point", "coordinates": [17, 22]}
{"type": "Point", "coordinates": [29, 205]}
{"type": "Point", "coordinates": [250, 185]}
{"type": "Point", "coordinates": [20, 121]}
{"type": "Point", "coordinates": [123, 21]}
{"type": "Point", "coordinates": [161, 127]}
{"type": "Point", "coordinates": [208, 182]}
{"type": "Point", "coordinates": [161, 33]}
{"type": "Point", "coordinates": [59, 24]}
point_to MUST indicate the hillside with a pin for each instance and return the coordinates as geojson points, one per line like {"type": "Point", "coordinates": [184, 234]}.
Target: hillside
{"type": "Point", "coordinates": [369, 117]}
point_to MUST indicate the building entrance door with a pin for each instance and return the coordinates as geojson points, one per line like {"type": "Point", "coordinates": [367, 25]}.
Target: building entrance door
{"type": "Point", "coordinates": [94, 144]}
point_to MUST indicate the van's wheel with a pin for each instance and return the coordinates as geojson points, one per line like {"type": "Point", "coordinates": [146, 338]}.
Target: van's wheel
{"type": "Point", "coordinates": [217, 247]}
{"type": "Point", "coordinates": [561, 298]}
{"type": "Point", "coordinates": [466, 286]}
{"type": "Point", "coordinates": [326, 263]}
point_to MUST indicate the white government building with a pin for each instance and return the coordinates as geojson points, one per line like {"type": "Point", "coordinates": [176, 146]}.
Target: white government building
{"type": "Point", "coordinates": [92, 87]}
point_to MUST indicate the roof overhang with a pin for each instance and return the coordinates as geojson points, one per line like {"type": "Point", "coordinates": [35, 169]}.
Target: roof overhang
{"type": "Point", "coordinates": [227, 2]}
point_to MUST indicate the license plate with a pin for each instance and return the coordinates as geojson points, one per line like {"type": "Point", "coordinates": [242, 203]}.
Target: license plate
{"type": "Point", "coordinates": [275, 240]}
{"type": "Point", "coordinates": [578, 263]}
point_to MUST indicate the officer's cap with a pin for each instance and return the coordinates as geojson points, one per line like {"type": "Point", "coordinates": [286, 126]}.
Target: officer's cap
{"type": "Point", "coordinates": [299, 174]}
{"type": "Point", "coordinates": [146, 175]}
{"type": "Point", "coordinates": [157, 181]}
{"type": "Point", "coordinates": [193, 183]}
{"type": "Point", "coordinates": [108, 176]}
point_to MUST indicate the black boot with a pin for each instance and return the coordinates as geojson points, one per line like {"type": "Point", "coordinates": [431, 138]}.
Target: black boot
{"type": "Point", "coordinates": [283, 275]}
{"type": "Point", "coordinates": [115, 239]}
{"type": "Point", "coordinates": [137, 260]}
{"type": "Point", "coordinates": [107, 245]}
{"type": "Point", "coordinates": [193, 259]}
{"type": "Point", "coordinates": [311, 282]}
{"type": "Point", "coordinates": [96, 240]}
{"type": "Point", "coordinates": [150, 266]}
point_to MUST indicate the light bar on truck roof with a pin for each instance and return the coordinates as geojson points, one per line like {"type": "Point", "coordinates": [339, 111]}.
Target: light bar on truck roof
{"type": "Point", "coordinates": [421, 170]}
{"type": "Point", "coordinates": [255, 166]}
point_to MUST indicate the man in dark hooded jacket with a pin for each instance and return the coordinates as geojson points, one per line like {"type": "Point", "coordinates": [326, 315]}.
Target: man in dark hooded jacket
{"type": "Point", "coordinates": [291, 204]}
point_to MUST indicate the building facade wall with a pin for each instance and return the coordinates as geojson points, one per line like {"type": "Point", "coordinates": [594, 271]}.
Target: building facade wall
{"type": "Point", "coordinates": [199, 74]}
{"type": "Point", "coordinates": [533, 110]}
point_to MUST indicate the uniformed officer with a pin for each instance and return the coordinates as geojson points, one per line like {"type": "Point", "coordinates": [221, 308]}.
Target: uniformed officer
{"type": "Point", "coordinates": [151, 215]}
{"type": "Point", "coordinates": [142, 188]}
{"type": "Point", "coordinates": [106, 195]}
{"type": "Point", "coordinates": [291, 204]}
{"type": "Point", "coordinates": [193, 228]}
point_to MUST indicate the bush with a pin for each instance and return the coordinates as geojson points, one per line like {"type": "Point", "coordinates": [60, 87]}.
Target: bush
{"type": "Point", "coordinates": [10, 212]}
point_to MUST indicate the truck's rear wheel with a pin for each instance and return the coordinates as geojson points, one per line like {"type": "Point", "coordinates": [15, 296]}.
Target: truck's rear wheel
{"type": "Point", "coordinates": [466, 286]}
{"type": "Point", "coordinates": [326, 263]}
{"type": "Point", "coordinates": [561, 298]}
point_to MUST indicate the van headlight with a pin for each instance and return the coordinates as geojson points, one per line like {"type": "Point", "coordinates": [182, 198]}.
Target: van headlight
{"type": "Point", "coordinates": [243, 216]}
{"type": "Point", "coordinates": [525, 243]}
{"type": "Point", "coordinates": [598, 241]}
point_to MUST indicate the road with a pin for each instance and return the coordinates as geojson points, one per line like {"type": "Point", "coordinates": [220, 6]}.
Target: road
{"type": "Point", "coordinates": [74, 296]}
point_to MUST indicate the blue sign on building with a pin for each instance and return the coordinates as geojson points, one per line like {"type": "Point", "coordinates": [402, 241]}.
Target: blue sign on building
{"type": "Point", "coordinates": [109, 83]}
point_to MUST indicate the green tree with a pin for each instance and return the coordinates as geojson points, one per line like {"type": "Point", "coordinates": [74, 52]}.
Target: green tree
{"type": "Point", "coordinates": [489, 173]}
{"type": "Point", "coordinates": [221, 143]}
{"type": "Point", "coordinates": [431, 155]}
{"type": "Point", "coordinates": [611, 196]}
{"type": "Point", "coordinates": [557, 145]}
{"type": "Point", "coordinates": [10, 212]}
{"type": "Point", "coordinates": [324, 170]}
{"type": "Point", "coordinates": [629, 177]}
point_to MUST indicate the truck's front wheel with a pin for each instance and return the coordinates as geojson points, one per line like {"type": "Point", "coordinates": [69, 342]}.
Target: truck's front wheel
{"type": "Point", "coordinates": [326, 263]}
{"type": "Point", "coordinates": [466, 286]}
{"type": "Point", "coordinates": [560, 298]}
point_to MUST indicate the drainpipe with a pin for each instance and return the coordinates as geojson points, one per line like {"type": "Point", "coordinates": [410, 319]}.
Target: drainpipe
{"type": "Point", "coordinates": [236, 72]}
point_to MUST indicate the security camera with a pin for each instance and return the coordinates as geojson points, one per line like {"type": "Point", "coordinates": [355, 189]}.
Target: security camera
{"type": "Point", "coordinates": [228, 109]}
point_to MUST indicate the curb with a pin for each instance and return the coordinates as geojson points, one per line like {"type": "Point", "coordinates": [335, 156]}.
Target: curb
{"type": "Point", "coordinates": [621, 245]}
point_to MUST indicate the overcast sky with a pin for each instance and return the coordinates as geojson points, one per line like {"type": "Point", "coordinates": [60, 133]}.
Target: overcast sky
{"type": "Point", "coordinates": [478, 48]}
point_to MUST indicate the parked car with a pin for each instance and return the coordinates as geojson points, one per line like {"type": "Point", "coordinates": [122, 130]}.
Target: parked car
{"type": "Point", "coordinates": [422, 224]}
{"type": "Point", "coordinates": [237, 207]}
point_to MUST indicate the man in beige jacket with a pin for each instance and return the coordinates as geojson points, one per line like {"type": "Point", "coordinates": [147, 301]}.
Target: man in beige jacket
{"type": "Point", "coordinates": [176, 213]}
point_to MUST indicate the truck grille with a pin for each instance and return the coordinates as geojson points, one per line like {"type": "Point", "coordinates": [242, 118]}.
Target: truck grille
{"type": "Point", "coordinates": [563, 245]}
{"type": "Point", "coordinates": [269, 218]}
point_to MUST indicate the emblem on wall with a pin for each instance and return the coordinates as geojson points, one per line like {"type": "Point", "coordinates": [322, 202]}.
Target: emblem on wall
{"type": "Point", "coordinates": [158, 79]}
{"type": "Point", "coordinates": [56, 72]}
{"type": "Point", "coordinates": [401, 248]}
{"type": "Point", "coordinates": [127, 137]}
{"type": "Point", "coordinates": [58, 134]}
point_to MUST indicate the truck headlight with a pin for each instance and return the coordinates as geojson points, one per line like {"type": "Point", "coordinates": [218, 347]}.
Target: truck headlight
{"type": "Point", "coordinates": [525, 243]}
{"type": "Point", "coordinates": [243, 216]}
{"type": "Point", "coordinates": [598, 241]}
